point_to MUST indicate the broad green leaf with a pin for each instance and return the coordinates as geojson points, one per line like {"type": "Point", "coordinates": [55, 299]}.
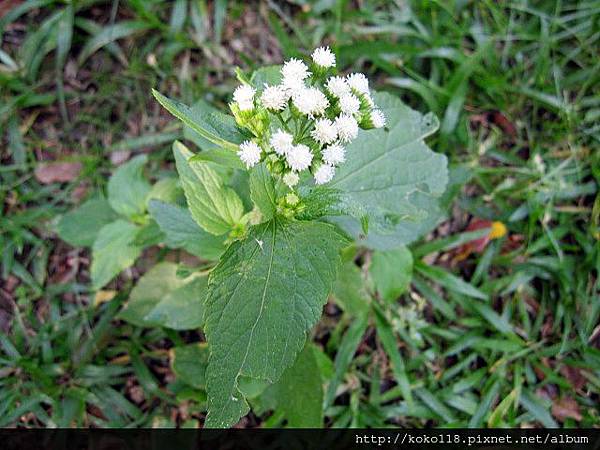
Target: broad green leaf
{"type": "Point", "coordinates": [349, 290]}
{"type": "Point", "coordinates": [214, 206]}
{"type": "Point", "coordinates": [165, 189]}
{"type": "Point", "coordinates": [391, 272]}
{"type": "Point", "coordinates": [216, 127]}
{"type": "Point", "coordinates": [266, 75]}
{"type": "Point", "coordinates": [189, 364]}
{"type": "Point", "coordinates": [112, 251]}
{"type": "Point", "coordinates": [262, 191]}
{"type": "Point", "coordinates": [182, 309]}
{"type": "Point", "coordinates": [220, 156]}
{"type": "Point", "coordinates": [394, 177]}
{"type": "Point", "coordinates": [128, 189]}
{"type": "Point", "coordinates": [80, 226]}
{"type": "Point", "coordinates": [152, 287]}
{"type": "Point", "coordinates": [182, 232]}
{"type": "Point", "coordinates": [299, 392]}
{"type": "Point", "coordinates": [264, 296]}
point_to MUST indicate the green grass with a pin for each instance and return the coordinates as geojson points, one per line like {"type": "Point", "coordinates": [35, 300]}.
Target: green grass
{"type": "Point", "coordinates": [494, 339]}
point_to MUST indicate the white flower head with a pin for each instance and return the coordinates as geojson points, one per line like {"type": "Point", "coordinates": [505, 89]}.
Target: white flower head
{"type": "Point", "coordinates": [294, 72]}
{"type": "Point", "coordinates": [299, 157]}
{"type": "Point", "coordinates": [324, 174]}
{"type": "Point", "coordinates": [244, 97]}
{"type": "Point", "coordinates": [334, 154]}
{"type": "Point", "coordinates": [249, 153]}
{"type": "Point", "coordinates": [377, 118]}
{"type": "Point", "coordinates": [347, 127]}
{"type": "Point", "coordinates": [324, 132]}
{"type": "Point", "coordinates": [291, 179]}
{"type": "Point", "coordinates": [349, 104]}
{"type": "Point", "coordinates": [323, 57]}
{"type": "Point", "coordinates": [281, 142]}
{"type": "Point", "coordinates": [338, 86]}
{"type": "Point", "coordinates": [358, 82]}
{"type": "Point", "coordinates": [274, 97]}
{"type": "Point", "coordinates": [310, 101]}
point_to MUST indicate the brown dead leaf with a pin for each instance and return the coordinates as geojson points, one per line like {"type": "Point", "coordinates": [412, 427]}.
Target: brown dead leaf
{"type": "Point", "coordinates": [566, 408]}
{"type": "Point", "coordinates": [574, 376]}
{"type": "Point", "coordinates": [59, 172]}
{"type": "Point", "coordinates": [6, 6]}
{"type": "Point", "coordinates": [119, 157]}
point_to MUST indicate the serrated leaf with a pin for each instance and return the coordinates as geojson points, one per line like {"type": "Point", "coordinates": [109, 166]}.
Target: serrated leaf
{"type": "Point", "coordinates": [112, 251]}
{"type": "Point", "coordinates": [394, 176]}
{"type": "Point", "coordinates": [262, 191]}
{"type": "Point", "coordinates": [299, 392]}
{"type": "Point", "coordinates": [182, 309]}
{"type": "Point", "coordinates": [214, 206]}
{"type": "Point", "coordinates": [216, 127]}
{"type": "Point", "coordinates": [264, 296]}
{"type": "Point", "coordinates": [150, 289]}
{"type": "Point", "coordinates": [189, 364]}
{"type": "Point", "coordinates": [128, 189]}
{"type": "Point", "coordinates": [80, 226]}
{"type": "Point", "coordinates": [391, 272]}
{"type": "Point", "coordinates": [181, 231]}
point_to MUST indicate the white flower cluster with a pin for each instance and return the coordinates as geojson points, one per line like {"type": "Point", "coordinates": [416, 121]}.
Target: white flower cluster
{"type": "Point", "coordinates": [304, 122]}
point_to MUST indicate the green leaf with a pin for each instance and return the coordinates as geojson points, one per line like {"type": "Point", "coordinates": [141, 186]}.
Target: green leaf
{"type": "Point", "coordinates": [264, 296]}
{"type": "Point", "coordinates": [220, 156]}
{"type": "Point", "coordinates": [299, 392]}
{"type": "Point", "coordinates": [182, 309]}
{"type": "Point", "coordinates": [128, 189]}
{"type": "Point", "coordinates": [214, 206]}
{"type": "Point", "coordinates": [80, 226]}
{"type": "Point", "coordinates": [391, 272]}
{"type": "Point", "coordinates": [165, 189]}
{"type": "Point", "coordinates": [390, 344]}
{"type": "Point", "coordinates": [216, 127]}
{"type": "Point", "coordinates": [349, 290]}
{"type": "Point", "coordinates": [189, 364]}
{"type": "Point", "coordinates": [262, 191]}
{"type": "Point", "coordinates": [152, 287]}
{"type": "Point", "coordinates": [270, 75]}
{"type": "Point", "coordinates": [112, 251]}
{"type": "Point", "coordinates": [181, 231]}
{"type": "Point", "coordinates": [109, 34]}
{"type": "Point", "coordinates": [394, 177]}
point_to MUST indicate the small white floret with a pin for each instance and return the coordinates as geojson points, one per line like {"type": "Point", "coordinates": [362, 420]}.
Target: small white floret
{"type": "Point", "coordinates": [324, 132]}
{"type": "Point", "coordinates": [299, 157]}
{"type": "Point", "coordinates": [291, 179]}
{"type": "Point", "coordinates": [323, 57]}
{"type": "Point", "coordinates": [249, 153]}
{"type": "Point", "coordinates": [358, 82]}
{"type": "Point", "coordinates": [324, 174]}
{"type": "Point", "coordinates": [349, 104]}
{"type": "Point", "coordinates": [334, 154]}
{"type": "Point", "coordinates": [281, 142]}
{"type": "Point", "coordinates": [310, 101]}
{"type": "Point", "coordinates": [347, 127]}
{"type": "Point", "coordinates": [338, 86]}
{"type": "Point", "coordinates": [274, 97]}
{"type": "Point", "coordinates": [377, 118]}
{"type": "Point", "coordinates": [244, 97]}
{"type": "Point", "coordinates": [294, 72]}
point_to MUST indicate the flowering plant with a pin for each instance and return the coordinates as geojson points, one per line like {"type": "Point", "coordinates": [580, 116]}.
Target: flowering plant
{"type": "Point", "coordinates": [309, 161]}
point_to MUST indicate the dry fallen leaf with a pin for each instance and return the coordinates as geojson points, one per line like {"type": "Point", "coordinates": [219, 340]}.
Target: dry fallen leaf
{"type": "Point", "coordinates": [59, 172]}
{"type": "Point", "coordinates": [566, 408]}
